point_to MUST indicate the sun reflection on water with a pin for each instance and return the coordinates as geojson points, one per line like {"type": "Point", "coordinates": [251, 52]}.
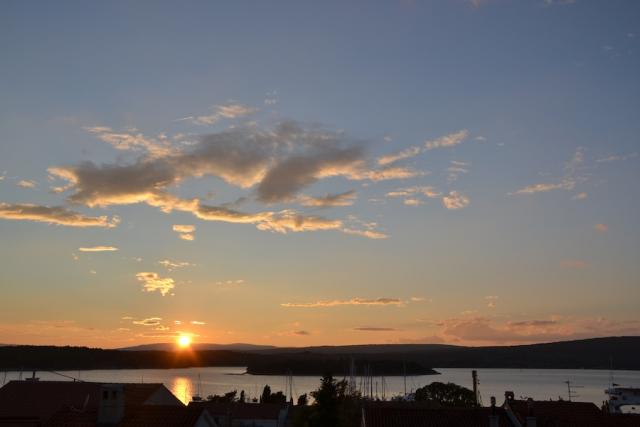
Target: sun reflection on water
{"type": "Point", "coordinates": [182, 388]}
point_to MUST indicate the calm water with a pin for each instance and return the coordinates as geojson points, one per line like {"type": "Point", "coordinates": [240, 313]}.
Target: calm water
{"type": "Point", "coordinates": [535, 383]}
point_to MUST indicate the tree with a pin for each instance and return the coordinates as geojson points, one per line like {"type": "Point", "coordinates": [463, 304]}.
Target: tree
{"type": "Point", "coordinates": [303, 400]}
{"type": "Point", "coordinates": [268, 397]}
{"type": "Point", "coordinates": [229, 397]}
{"type": "Point", "coordinates": [448, 394]}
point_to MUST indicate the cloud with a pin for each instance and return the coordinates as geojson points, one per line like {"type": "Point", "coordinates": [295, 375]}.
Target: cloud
{"type": "Point", "coordinates": [401, 155]}
{"type": "Point", "coordinates": [449, 140]}
{"type": "Point", "coordinates": [301, 333]}
{"type": "Point", "coordinates": [185, 231]}
{"type": "Point", "coordinates": [329, 200]}
{"type": "Point", "coordinates": [572, 176]}
{"type": "Point", "coordinates": [98, 249]}
{"type": "Point", "coordinates": [276, 164]}
{"type": "Point", "coordinates": [353, 301]}
{"type": "Point", "coordinates": [413, 202]}
{"type": "Point", "coordinates": [290, 175]}
{"type": "Point", "coordinates": [226, 111]}
{"type": "Point", "coordinates": [370, 234]}
{"type": "Point", "coordinates": [580, 196]}
{"type": "Point", "coordinates": [455, 200]}
{"type": "Point", "coordinates": [544, 187]}
{"type": "Point", "coordinates": [197, 323]}
{"type": "Point", "coordinates": [151, 321]}
{"type": "Point", "coordinates": [456, 169]}
{"type": "Point", "coordinates": [280, 222]}
{"type": "Point", "coordinates": [54, 215]}
{"type": "Point", "coordinates": [153, 282]}
{"type": "Point", "coordinates": [26, 183]}
{"type": "Point", "coordinates": [183, 228]}
{"type": "Point", "coordinates": [428, 191]}
{"type": "Point", "coordinates": [174, 265]}
{"type": "Point", "coordinates": [616, 158]}
{"type": "Point", "coordinates": [602, 228]}
{"type": "Point", "coordinates": [230, 282]}
{"type": "Point", "coordinates": [446, 141]}
{"type": "Point", "coordinates": [374, 329]}
{"type": "Point", "coordinates": [486, 330]}
{"type": "Point", "coordinates": [132, 141]}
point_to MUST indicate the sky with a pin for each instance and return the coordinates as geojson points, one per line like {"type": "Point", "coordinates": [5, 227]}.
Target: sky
{"type": "Point", "coordinates": [301, 173]}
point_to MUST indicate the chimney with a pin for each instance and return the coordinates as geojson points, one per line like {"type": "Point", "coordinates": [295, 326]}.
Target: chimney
{"type": "Point", "coordinates": [111, 410]}
{"type": "Point", "coordinates": [494, 420]}
{"type": "Point", "coordinates": [531, 419]}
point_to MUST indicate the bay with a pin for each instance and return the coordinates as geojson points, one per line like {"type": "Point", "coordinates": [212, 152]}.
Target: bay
{"type": "Point", "coordinates": [539, 384]}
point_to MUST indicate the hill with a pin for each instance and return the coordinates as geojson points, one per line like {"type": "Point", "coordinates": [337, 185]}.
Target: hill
{"type": "Point", "coordinates": [201, 346]}
{"type": "Point", "coordinates": [386, 359]}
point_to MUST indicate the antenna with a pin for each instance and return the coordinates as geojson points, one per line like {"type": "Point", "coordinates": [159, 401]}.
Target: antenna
{"type": "Point", "coordinates": [570, 389]}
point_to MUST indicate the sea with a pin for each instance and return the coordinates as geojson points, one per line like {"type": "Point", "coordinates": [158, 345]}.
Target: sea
{"type": "Point", "coordinates": [584, 385]}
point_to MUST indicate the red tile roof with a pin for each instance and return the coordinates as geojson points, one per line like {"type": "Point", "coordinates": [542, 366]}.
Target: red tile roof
{"type": "Point", "coordinates": [41, 399]}
{"type": "Point", "coordinates": [242, 411]}
{"type": "Point", "coordinates": [162, 416]}
{"type": "Point", "coordinates": [558, 413]}
{"type": "Point", "coordinates": [407, 415]}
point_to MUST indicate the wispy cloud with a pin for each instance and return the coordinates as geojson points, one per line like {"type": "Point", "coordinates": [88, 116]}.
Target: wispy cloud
{"type": "Point", "coordinates": [54, 215]}
{"type": "Point", "coordinates": [174, 265]}
{"type": "Point", "coordinates": [98, 249]}
{"type": "Point", "coordinates": [353, 301]}
{"type": "Point", "coordinates": [329, 200]}
{"type": "Point", "coordinates": [220, 112]}
{"type": "Point", "coordinates": [152, 282]}
{"type": "Point", "coordinates": [25, 183]}
{"type": "Point", "coordinates": [445, 141]}
{"type": "Point", "coordinates": [374, 329]}
{"type": "Point", "coordinates": [151, 321]}
{"type": "Point", "coordinates": [401, 155]}
{"type": "Point", "coordinates": [616, 158]}
{"type": "Point", "coordinates": [568, 182]}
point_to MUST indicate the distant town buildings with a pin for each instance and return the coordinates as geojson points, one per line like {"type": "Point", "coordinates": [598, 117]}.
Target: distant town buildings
{"type": "Point", "coordinates": [86, 404]}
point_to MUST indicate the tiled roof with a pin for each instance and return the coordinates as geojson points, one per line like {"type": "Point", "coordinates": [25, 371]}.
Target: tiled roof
{"type": "Point", "coordinates": [558, 413]}
{"type": "Point", "coordinates": [242, 411]}
{"type": "Point", "coordinates": [162, 416]}
{"type": "Point", "coordinates": [41, 399]}
{"type": "Point", "coordinates": [406, 415]}
{"type": "Point", "coordinates": [140, 416]}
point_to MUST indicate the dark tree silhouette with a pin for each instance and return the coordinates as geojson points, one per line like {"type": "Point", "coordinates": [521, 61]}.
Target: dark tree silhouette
{"type": "Point", "coordinates": [448, 394]}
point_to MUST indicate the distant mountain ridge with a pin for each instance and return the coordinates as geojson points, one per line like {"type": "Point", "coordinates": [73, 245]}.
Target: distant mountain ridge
{"type": "Point", "coordinates": [200, 347]}
{"type": "Point", "coordinates": [595, 353]}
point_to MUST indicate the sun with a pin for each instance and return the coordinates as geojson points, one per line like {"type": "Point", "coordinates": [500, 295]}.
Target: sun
{"type": "Point", "coordinates": [184, 341]}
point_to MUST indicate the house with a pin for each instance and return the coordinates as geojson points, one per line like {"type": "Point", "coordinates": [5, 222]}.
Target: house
{"type": "Point", "coordinates": [66, 403]}
{"type": "Point", "coordinates": [246, 414]}
{"type": "Point", "coordinates": [412, 414]}
{"type": "Point", "coordinates": [541, 413]}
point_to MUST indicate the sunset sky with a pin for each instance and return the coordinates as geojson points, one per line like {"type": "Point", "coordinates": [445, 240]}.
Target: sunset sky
{"type": "Point", "coordinates": [331, 172]}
